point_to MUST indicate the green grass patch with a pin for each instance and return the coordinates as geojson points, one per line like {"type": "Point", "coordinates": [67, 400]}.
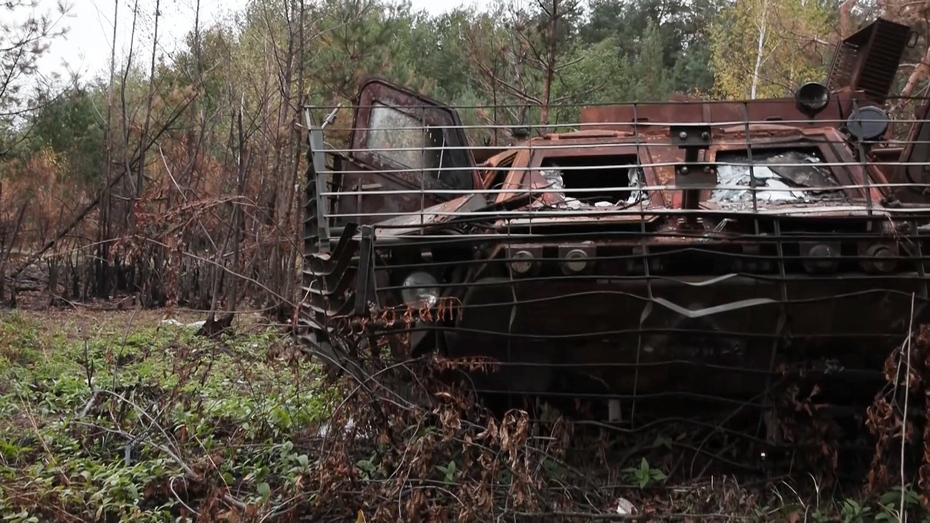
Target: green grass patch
{"type": "Point", "coordinates": [123, 421]}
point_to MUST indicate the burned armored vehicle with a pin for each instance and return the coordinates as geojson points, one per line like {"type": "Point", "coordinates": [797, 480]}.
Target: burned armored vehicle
{"type": "Point", "coordinates": [682, 250]}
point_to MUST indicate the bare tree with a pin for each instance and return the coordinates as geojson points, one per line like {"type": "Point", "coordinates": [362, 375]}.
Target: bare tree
{"type": "Point", "coordinates": [554, 13]}
{"type": "Point", "coordinates": [148, 103]}
{"type": "Point", "coordinates": [534, 49]}
{"type": "Point", "coordinates": [104, 231]}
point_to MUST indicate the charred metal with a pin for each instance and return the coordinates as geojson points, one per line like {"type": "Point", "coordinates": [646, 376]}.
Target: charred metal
{"type": "Point", "coordinates": [702, 250]}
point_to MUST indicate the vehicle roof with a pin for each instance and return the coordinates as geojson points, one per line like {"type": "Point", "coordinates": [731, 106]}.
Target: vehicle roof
{"type": "Point", "coordinates": [761, 134]}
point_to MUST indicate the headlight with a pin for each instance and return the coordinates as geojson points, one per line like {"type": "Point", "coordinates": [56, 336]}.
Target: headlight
{"type": "Point", "coordinates": [419, 290]}
{"type": "Point", "coordinates": [523, 262]}
{"type": "Point", "coordinates": [812, 98]}
{"type": "Point", "coordinates": [576, 260]}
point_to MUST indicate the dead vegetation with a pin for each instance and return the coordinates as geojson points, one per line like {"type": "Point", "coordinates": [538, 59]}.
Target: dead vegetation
{"type": "Point", "coordinates": [117, 416]}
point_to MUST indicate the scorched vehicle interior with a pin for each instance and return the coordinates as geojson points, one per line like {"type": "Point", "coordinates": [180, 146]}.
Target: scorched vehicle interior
{"type": "Point", "coordinates": [699, 250]}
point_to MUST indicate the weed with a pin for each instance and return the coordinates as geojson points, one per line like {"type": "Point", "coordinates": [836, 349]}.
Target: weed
{"type": "Point", "coordinates": [852, 512]}
{"type": "Point", "coordinates": [889, 505]}
{"type": "Point", "coordinates": [18, 341]}
{"type": "Point", "coordinates": [644, 475]}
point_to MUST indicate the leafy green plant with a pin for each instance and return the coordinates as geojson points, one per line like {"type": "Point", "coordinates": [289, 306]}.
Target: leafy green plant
{"type": "Point", "coordinates": [10, 451]}
{"type": "Point", "coordinates": [644, 475]}
{"type": "Point", "coordinates": [264, 490]}
{"type": "Point", "coordinates": [111, 418]}
{"type": "Point", "coordinates": [890, 503]}
{"type": "Point", "coordinates": [366, 468]}
{"type": "Point", "coordinates": [448, 472]}
{"type": "Point", "coordinates": [818, 516]}
{"type": "Point", "coordinates": [21, 517]}
{"type": "Point", "coordinates": [852, 512]}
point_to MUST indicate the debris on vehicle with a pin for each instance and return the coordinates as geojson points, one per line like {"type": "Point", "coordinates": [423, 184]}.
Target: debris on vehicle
{"type": "Point", "coordinates": [781, 172]}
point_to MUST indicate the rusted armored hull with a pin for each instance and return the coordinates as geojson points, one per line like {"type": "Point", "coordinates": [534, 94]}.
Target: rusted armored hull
{"type": "Point", "coordinates": [649, 317]}
{"type": "Point", "coordinates": [705, 250]}
{"type": "Point", "coordinates": [724, 339]}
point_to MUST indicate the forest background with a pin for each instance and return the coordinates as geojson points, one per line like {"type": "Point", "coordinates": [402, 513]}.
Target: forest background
{"type": "Point", "coordinates": [168, 174]}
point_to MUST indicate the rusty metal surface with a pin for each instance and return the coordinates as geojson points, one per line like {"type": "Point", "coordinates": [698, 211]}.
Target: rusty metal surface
{"type": "Point", "coordinates": [654, 149]}
{"type": "Point", "coordinates": [654, 117]}
{"type": "Point", "coordinates": [484, 155]}
{"type": "Point", "coordinates": [868, 60]}
{"type": "Point", "coordinates": [421, 222]}
{"type": "Point", "coordinates": [637, 297]}
{"type": "Point", "coordinates": [391, 105]}
{"type": "Point", "coordinates": [367, 183]}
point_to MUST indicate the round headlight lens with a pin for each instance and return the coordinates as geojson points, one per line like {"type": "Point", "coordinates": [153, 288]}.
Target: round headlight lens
{"type": "Point", "coordinates": [576, 260]}
{"type": "Point", "coordinates": [811, 98]}
{"type": "Point", "coordinates": [419, 289]}
{"type": "Point", "coordinates": [523, 262]}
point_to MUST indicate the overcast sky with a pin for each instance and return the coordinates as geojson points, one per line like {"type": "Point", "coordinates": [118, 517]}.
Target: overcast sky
{"type": "Point", "coordinates": [86, 49]}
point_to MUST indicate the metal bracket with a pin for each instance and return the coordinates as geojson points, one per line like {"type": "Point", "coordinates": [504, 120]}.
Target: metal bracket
{"type": "Point", "coordinates": [695, 172]}
{"type": "Point", "coordinates": [317, 175]}
{"type": "Point", "coordinates": [365, 288]}
{"type": "Point", "coordinates": [690, 136]}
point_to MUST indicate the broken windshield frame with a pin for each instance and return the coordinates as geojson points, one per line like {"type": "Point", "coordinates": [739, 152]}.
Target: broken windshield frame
{"type": "Point", "coordinates": [782, 175]}
{"type": "Point", "coordinates": [410, 121]}
{"type": "Point", "coordinates": [847, 175]}
{"type": "Point", "coordinates": [543, 158]}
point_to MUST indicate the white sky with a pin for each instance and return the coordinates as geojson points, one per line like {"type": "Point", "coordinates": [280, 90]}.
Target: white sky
{"type": "Point", "coordinates": [86, 48]}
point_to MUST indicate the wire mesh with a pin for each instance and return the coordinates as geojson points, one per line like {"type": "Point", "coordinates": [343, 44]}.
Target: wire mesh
{"type": "Point", "coordinates": [693, 252]}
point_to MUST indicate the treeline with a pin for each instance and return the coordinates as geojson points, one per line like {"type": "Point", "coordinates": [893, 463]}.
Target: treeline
{"type": "Point", "coordinates": [178, 178]}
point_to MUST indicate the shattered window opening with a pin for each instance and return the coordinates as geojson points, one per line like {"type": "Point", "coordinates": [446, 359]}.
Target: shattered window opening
{"type": "Point", "coordinates": [608, 181]}
{"type": "Point", "coordinates": [395, 130]}
{"type": "Point", "coordinates": [779, 170]}
{"type": "Point", "coordinates": [410, 143]}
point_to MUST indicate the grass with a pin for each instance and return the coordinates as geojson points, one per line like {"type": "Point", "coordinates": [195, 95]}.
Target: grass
{"type": "Point", "coordinates": [120, 416]}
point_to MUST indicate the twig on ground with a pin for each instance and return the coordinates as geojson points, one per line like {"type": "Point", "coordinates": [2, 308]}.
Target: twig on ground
{"type": "Point", "coordinates": [907, 388]}
{"type": "Point", "coordinates": [171, 487]}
